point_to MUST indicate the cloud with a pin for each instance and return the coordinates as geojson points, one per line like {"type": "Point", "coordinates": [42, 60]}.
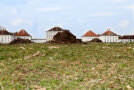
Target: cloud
{"type": "Point", "coordinates": [104, 14]}
{"type": "Point", "coordinates": [124, 24]}
{"type": "Point", "coordinates": [18, 21]}
{"type": "Point", "coordinates": [50, 9]}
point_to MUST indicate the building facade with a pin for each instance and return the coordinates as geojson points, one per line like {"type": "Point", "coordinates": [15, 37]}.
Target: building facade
{"type": "Point", "coordinates": [6, 37]}
{"type": "Point", "coordinates": [126, 38]}
{"type": "Point", "coordinates": [52, 32]}
{"type": "Point", "coordinates": [109, 36]}
{"type": "Point", "coordinates": [38, 40]}
{"type": "Point", "coordinates": [88, 36]}
{"type": "Point", "coordinates": [106, 37]}
{"type": "Point", "coordinates": [23, 35]}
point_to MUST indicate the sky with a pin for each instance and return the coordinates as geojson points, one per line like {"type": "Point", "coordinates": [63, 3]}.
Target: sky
{"type": "Point", "coordinates": [78, 16]}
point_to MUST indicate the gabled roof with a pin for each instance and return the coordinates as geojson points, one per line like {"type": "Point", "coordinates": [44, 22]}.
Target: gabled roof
{"type": "Point", "coordinates": [109, 33]}
{"type": "Point", "coordinates": [22, 33]}
{"type": "Point", "coordinates": [56, 29]}
{"type": "Point", "coordinates": [5, 32]}
{"type": "Point", "coordinates": [90, 34]}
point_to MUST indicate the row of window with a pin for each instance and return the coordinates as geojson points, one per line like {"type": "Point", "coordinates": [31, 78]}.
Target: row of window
{"type": "Point", "coordinates": [24, 37]}
{"type": "Point", "coordinates": [5, 39]}
{"type": "Point", "coordinates": [49, 37]}
{"type": "Point", "coordinates": [110, 37]}
{"type": "Point", "coordinates": [51, 34]}
{"type": "Point", "coordinates": [109, 40]}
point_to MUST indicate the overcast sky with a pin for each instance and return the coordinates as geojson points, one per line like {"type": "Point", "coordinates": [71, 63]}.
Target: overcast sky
{"type": "Point", "coordinates": [79, 16]}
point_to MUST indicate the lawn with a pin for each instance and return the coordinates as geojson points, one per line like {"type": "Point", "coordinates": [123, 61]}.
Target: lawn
{"type": "Point", "coordinates": [91, 66]}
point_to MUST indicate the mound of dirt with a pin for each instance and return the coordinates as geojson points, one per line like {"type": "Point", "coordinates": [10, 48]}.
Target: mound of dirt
{"type": "Point", "coordinates": [20, 41]}
{"type": "Point", "coordinates": [65, 37]}
{"type": "Point", "coordinates": [95, 40]}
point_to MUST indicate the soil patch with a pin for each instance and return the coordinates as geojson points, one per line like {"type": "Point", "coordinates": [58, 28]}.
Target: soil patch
{"type": "Point", "coordinates": [21, 41]}
{"type": "Point", "coordinates": [95, 40]}
{"type": "Point", "coordinates": [65, 37]}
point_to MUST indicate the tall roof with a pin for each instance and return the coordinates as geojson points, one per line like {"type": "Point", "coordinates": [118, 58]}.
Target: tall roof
{"type": "Point", "coordinates": [56, 29]}
{"type": "Point", "coordinates": [109, 33]}
{"type": "Point", "coordinates": [22, 33]}
{"type": "Point", "coordinates": [5, 32]}
{"type": "Point", "coordinates": [90, 34]}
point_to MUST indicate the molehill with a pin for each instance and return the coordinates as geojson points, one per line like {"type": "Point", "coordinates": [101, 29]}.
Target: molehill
{"type": "Point", "coordinates": [95, 40]}
{"type": "Point", "coordinates": [65, 37]}
{"type": "Point", "coordinates": [20, 41]}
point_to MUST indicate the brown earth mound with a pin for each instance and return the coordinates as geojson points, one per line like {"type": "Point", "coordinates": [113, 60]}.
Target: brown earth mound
{"type": "Point", "coordinates": [20, 41]}
{"type": "Point", "coordinates": [65, 37]}
{"type": "Point", "coordinates": [95, 40]}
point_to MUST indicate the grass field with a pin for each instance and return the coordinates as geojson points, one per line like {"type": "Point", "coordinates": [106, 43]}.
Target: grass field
{"type": "Point", "coordinates": [67, 67]}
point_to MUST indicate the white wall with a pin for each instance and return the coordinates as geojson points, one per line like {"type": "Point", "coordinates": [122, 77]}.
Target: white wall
{"type": "Point", "coordinates": [5, 39]}
{"type": "Point", "coordinates": [109, 38]}
{"type": "Point", "coordinates": [85, 39]}
{"type": "Point", "coordinates": [51, 34]}
{"type": "Point", "coordinates": [23, 37]}
{"type": "Point", "coordinates": [38, 40]}
{"type": "Point", "coordinates": [126, 40]}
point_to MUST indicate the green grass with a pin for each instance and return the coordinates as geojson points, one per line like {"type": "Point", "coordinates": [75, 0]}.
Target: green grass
{"type": "Point", "coordinates": [93, 66]}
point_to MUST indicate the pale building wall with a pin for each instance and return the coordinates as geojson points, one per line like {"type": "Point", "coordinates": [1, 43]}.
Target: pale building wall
{"type": "Point", "coordinates": [23, 37]}
{"type": "Point", "coordinates": [5, 39]}
{"type": "Point", "coordinates": [38, 40]}
{"type": "Point", "coordinates": [51, 34]}
{"type": "Point", "coordinates": [109, 39]}
{"type": "Point", "coordinates": [86, 39]}
{"type": "Point", "coordinates": [106, 39]}
{"type": "Point", "coordinates": [126, 40]}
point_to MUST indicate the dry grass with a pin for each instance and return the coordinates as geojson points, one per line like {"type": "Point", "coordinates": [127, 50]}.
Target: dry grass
{"type": "Point", "coordinates": [92, 66]}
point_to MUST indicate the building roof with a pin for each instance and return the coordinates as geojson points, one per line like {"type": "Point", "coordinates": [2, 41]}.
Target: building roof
{"type": "Point", "coordinates": [127, 37]}
{"type": "Point", "coordinates": [5, 32]}
{"type": "Point", "coordinates": [90, 34]}
{"type": "Point", "coordinates": [22, 33]}
{"type": "Point", "coordinates": [56, 29]}
{"type": "Point", "coordinates": [109, 33]}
